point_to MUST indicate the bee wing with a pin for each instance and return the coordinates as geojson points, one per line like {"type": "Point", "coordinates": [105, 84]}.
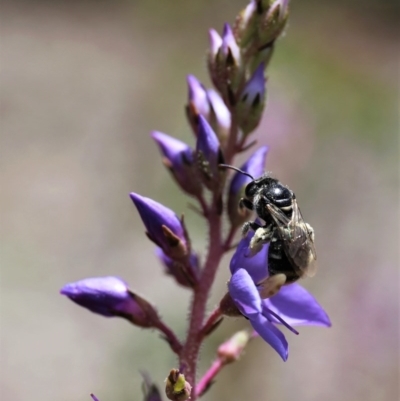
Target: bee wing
{"type": "Point", "coordinates": [302, 248]}
{"type": "Point", "coordinates": [297, 239]}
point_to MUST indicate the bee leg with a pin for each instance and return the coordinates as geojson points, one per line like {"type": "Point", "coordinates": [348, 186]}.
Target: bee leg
{"type": "Point", "coordinates": [245, 204]}
{"type": "Point", "coordinates": [272, 285]}
{"type": "Point", "coordinates": [249, 225]}
{"type": "Point", "coordinates": [262, 236]}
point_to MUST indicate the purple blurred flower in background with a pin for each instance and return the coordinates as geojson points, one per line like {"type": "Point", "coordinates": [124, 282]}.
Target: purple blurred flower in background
{"type": "Point", "coordinates": [292, 305]}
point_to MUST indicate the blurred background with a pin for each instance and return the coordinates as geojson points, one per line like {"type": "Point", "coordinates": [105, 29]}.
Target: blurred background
{"type": "Point", "coordinates": [83, 83]}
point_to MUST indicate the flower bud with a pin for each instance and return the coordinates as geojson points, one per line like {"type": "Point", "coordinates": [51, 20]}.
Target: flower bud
{"type": "Point", "coordinates": [226, 67]}
{"type": "Point", "coordinates": [231, 350]}
{"type": "Point", "coordinates": [273, 21]}
{"type": "Point", "coordinates": [178, 158]}
{"type": "Point", "coordinates": [198, 102]}
{"type": "Point", "coordinates": [220, 116]}
{"type": "Point", "coordinates": [110, 297]}
{"type": "Point", "coordinates": [215, 44]}
{"type": "Point", "coordinates": [179, 270]}
{"type": "Point", "coordinates": [245, 26]}
{"type": "Point", "coordinates": [163, 226]}
{"type": "Point", "coordinates": [209, 154]}
{"type": "Point", "coordinates": [252, 101]}
{"type": "Point", "coordinates": [253, 166]}
{"type": "Point", "coordinates": [176, 387]}
{"type": "Point", "coordinates": [94, 397]}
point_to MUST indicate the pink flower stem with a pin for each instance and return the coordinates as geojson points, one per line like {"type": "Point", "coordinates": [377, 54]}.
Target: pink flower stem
{"type": "Point", "coordinates": [206, 381]}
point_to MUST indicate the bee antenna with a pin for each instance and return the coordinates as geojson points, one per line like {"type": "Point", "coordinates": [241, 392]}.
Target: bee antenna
{"type": "Point", "coordinates": [236, 169]}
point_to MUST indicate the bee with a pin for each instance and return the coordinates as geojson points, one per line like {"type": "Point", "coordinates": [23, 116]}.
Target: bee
{"type": "Point", "coordinates": [291, 250]}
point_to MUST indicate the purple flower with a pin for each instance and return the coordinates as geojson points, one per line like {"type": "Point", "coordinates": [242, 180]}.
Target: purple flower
{"type": "Point", "coordinates": [178, 270]}
{"type": "Point", "coordinates": [110, 297]}
{"type": "Point", "coordinates": [253, 166]}
{"type": "Point", "coordinates": [292, 305]}
{"type": "Point", "coordinates": [198, 96]}
{"type": "Point", "coordinates": [254, 91]}
{"type": "Point", "coordinates": [163, 226]}
{"type": "Point", "coordinates": [178, 158]}
{"type": "Point", "coordinates": [230, 48]}
{"type": "Point", "coordinates": [252, 101]}
{"type": "Point", "coordinates": [208, 152]}
{"type": "Point", "coordinates": [219, 112]}
{"type": "Point", "coordinates": [215, 42]}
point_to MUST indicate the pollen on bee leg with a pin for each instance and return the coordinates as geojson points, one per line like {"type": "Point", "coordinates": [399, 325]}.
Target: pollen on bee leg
{"type": "Point", "coordinates": [272, 285]}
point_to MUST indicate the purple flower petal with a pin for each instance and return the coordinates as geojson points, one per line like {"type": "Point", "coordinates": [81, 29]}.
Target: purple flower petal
{"type": "Point", "coordinates": [256, 266]}
{"type": "Point", "coordinates": [172, 148]}
{"type": "Point", "coordinates": [102, 295]}
{"type": "Point", "coordinates": [297, 307]}
{"type": "Point", "coordinates": [229, 43]}
{"type": "Point", "coordinates": [208, 145]}
{"type": "Point", "coordinates": [154, 215]}
{"type": "Point", "coordinates": [215, 42]}
{"type": "Point", "coordinates": [254, 166]}
{"type": "Point", "coordinates": [222, 114]}
{"type": "Point", "coordinates": [269, 333]}
{"type": "Point", "coordinates": [244, 293]}
{"type": "Point", "coordinates": [256, 86]}
{"type": "Point", "coordinates": [198, 96]}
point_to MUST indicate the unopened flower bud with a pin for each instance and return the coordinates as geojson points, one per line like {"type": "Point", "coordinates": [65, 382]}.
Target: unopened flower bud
{"type": "Point", "coordinates": [255, 167]}
{"type": "Point", "coordinates": [246, 24]}
{"type": "Point", "coordinates": [110, 297]}
{"type": "Point", "coordinates": [273, 22]}
{"type": "Point", "coordinates": [215, 44]}
{"type": "Point", "coordinates": [226, 68]}
{"type": "Point", "coordinates": [176, 387]}
{"type": "Point", "coordinates": [183, 274]}
{"type": "Point", "coordinates": [163, 226]}
{"type": "Point", "coordinates": [94, 397]}
{"type": "Point", "coordinates": [178, 158]}
{"type": "Point", "coordinates": [231, 350]}
{"type": "Point", "coordinates": [209, 154]}
{"type": "Point", "coordinates": [220, 116]}
{"type": "Point", "coordinates": [198, 102]}
{"type": "Point", "coordinates": [252, 101]}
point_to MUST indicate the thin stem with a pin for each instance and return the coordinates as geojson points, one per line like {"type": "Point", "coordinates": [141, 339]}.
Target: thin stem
{"type": "Point", "coordinates": [170, 336]}
{"type": "Point", "coordinates": [206, 381]}
{"type": "Point", "coordinates": [211, 321]}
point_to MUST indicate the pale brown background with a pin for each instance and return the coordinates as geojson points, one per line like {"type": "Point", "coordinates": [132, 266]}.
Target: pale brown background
{"type": "Point", "coordinates": [82, 85]}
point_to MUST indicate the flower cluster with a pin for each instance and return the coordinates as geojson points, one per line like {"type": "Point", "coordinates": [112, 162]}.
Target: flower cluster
{"type": "Point", "coordinates": [222, 119]}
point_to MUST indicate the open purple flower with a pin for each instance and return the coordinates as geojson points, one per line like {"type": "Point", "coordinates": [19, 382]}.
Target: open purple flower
{"type": "Point", "coordinates": [163, 226]}
{"type": "Point", "coordinates": [110, 297]}
{"type": "Point", "coordinates": [292, 305]}
{"type": "Point", "coordinates": [178, 158]}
